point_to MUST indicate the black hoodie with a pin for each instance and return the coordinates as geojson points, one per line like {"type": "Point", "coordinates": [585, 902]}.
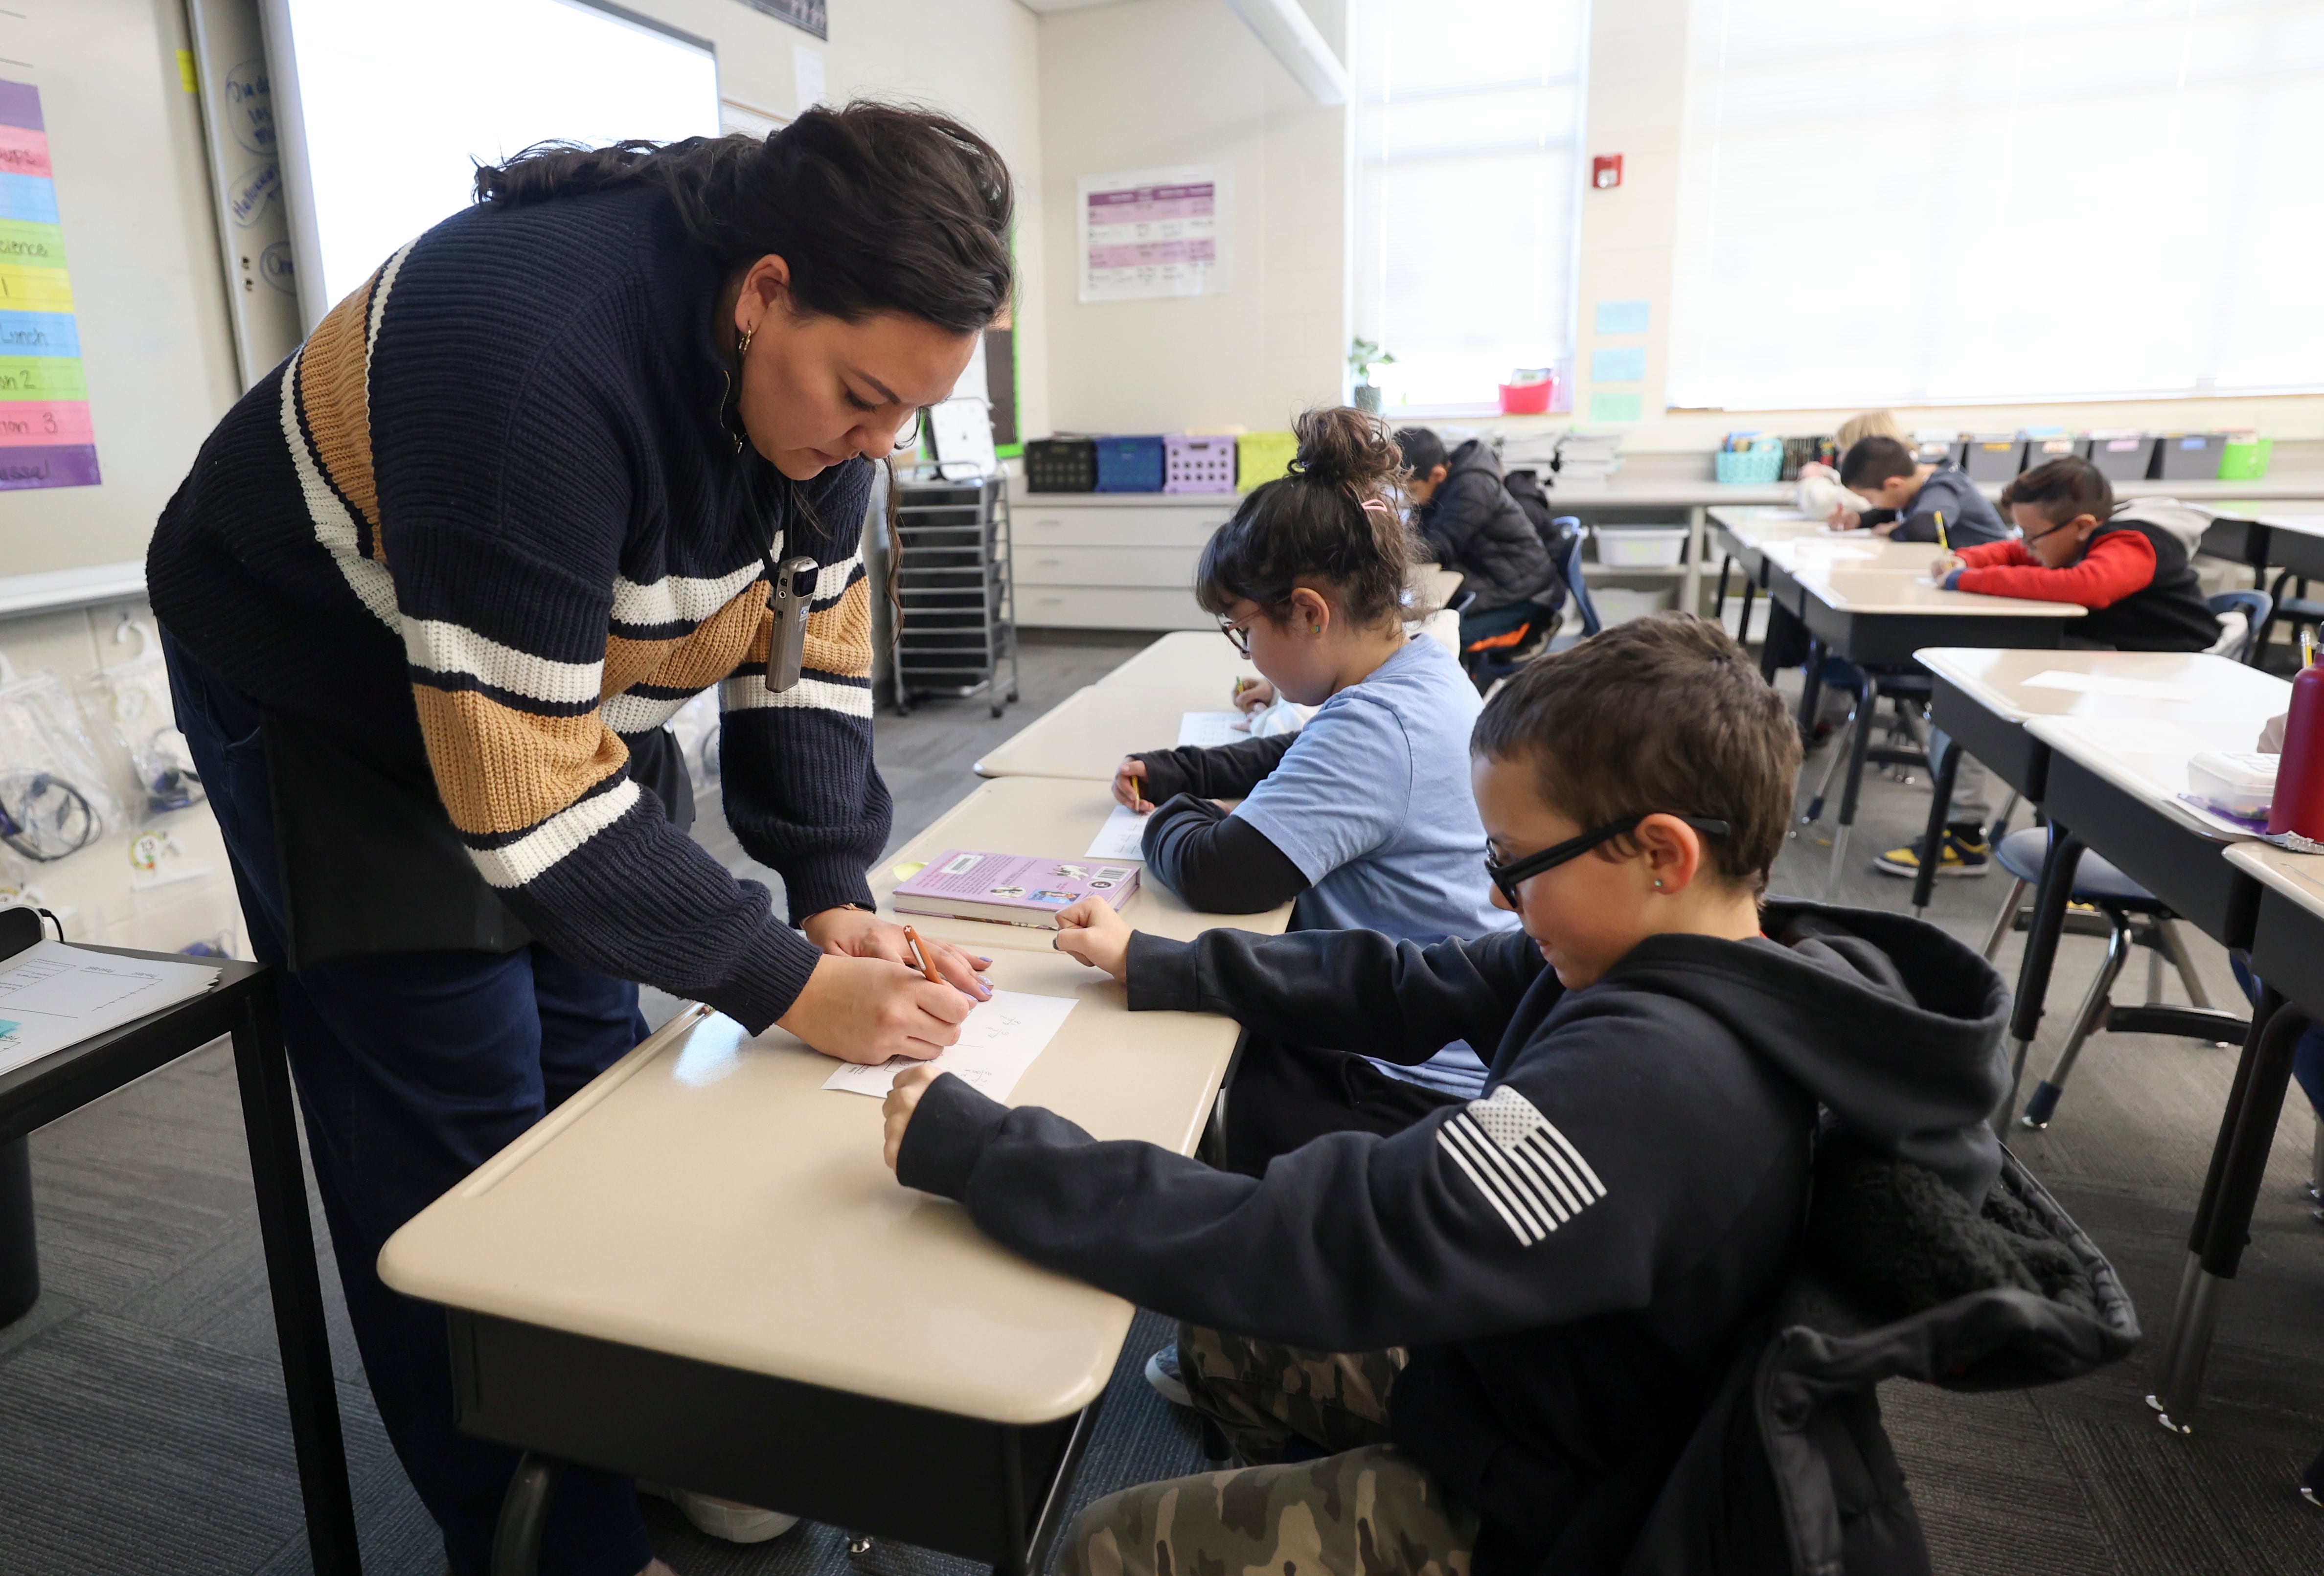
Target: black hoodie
{"type": "Point", "coordinates": [1572, 1257]}
{"type": "Point", "coordinates": [1477, 529]}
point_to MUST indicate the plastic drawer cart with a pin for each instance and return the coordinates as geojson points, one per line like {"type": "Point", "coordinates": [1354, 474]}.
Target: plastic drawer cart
{"type": "Point", "coordinates": [959, 603]}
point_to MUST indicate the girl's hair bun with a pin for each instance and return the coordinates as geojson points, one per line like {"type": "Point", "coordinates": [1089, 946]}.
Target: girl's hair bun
{"type": "Point", "coordinates": [1343, 448]}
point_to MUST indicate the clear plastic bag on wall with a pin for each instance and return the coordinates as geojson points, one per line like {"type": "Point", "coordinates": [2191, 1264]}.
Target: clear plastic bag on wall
{"type": "Point", "coordinates": [131, 705]}
{"type": "Point", "coordinates": [54, 799]}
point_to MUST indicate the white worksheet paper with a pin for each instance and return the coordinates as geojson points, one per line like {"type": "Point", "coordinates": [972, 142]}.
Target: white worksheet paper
{"type": "Point", "coordinates": [997, 1043]}
{"type": "Point", "coordinates": [52, 995]}
{"type": "Point", "coordinates": [1121, 836]}
{"type": "Point", "coordinates": [1212, 729]}
{"type": "Point", "coordinates": [2113, 684]}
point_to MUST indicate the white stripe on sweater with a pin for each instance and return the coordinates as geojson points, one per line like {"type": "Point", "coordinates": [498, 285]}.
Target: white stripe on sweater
{"type": "Point", "coordinates": [677, 599]}
{"type": "Point", "coordinates": [334, 525]}
{"type": "Point", "coordinates": [442, 647]}
{"type": "Point", "coordinates": [534, 854]}
{"type": "Point", "coordinates": [750, 693]}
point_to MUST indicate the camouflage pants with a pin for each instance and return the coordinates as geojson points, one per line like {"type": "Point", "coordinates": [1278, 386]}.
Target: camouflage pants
{"type": "Point", "coordinates": [1367, 1510]}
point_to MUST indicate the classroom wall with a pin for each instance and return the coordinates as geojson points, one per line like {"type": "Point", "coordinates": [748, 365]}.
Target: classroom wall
{"type": "Point", "coordinates": [1638, 108]}
{"type": "Point", "coordinates": [1161, 82]}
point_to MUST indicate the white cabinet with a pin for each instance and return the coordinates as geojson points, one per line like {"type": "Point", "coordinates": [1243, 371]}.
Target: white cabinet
{"type": "Point", "coordinates": [1113, 560]}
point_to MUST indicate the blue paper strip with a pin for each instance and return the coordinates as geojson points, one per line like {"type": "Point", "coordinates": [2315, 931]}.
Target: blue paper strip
{"type": "Point", "coordinates": [1627, 365]}
{"type": "Point", "coordinates": [1622, 317]}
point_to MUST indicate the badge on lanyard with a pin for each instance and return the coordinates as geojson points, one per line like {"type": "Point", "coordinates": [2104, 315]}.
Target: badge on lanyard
{"type": "Point", "coordinates": [788, 587]}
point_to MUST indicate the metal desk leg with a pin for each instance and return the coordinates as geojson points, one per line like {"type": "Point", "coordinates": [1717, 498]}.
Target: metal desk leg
{"type": "Point", "coordinates": [1719, 603]}
{"type": "Point", "coordinates": [524, 1515]}
{"type": "Point", "coordinates": [1867, 703]}
{"type": "Point", "coordinates": [1743, 626]}
{"type": "Point", "coordinates": [1810, 689]}
{"type": "Point", "coordinates": [2238, 1167]}
{"type": "Point", "coordinates": [2049, 899]}
{"type": "Point", "coordinates": [270, 1123]}
{"type": "Point", "coordinates": [20, 1253]}
{"type": "Point", "coordinates": [1941, 798]}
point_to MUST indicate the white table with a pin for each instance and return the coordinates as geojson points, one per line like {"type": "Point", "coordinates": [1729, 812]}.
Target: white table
{"type": "Point", "coordinates": [1085, 735]}
{"type": "Point", "coordinates": [1201, 666]}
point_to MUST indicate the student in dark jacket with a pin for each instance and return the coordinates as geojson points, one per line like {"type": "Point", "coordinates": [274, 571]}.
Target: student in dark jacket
{"type": "Point", "coordinates": [1465, 514]}
{"type": "Point", "coordinates": [1505, 1321]}
{"type": "Point", "coordinates": [1908, 496]}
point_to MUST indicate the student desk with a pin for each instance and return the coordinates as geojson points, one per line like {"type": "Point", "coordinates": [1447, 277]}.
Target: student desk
{"type": "Point", "coordinates": [242, 1005]}
{"type": "Point", "coordinates": [698, 1271]}
{"type": "Point", "coordinates": [1738, 531]}
{"type": "Point", "coordinates": [1199, 664]}
{"type": "Point", "coordinates": [2287, 939]}
{"type": "Point", "coordinates": [1980, 702]}
{"type": "Point", "coordinates": [1870, 601]}
{"type": "Point", "coordinates": [1054, 818]}
{"type": "Point", "coordinates": [2266, 537]}
{"type": "Point", "coordinates": [1085, 735]}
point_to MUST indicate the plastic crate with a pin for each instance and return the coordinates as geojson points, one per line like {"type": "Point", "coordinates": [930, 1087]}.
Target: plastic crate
{"type": "Point", "coordinates": [2120, 456]}
{"type": "Point", "coordinates": [2188, 457]}
{"type": "Point", "coordinates": [1640, 546]}
{"type": "Point", "coordinates": [1757, 467]}
{"type": "Point", "coordinates": [1198, 464]}
{"type": "Point", "coordinates": [1991, 457]}
{"type": "Point", "coordinates": [2244, 458]}
{"type": "Point", "coordinates": [1129, 465]}
{"type": "Point", "coordinates": [1060, 464]}
{"type": "Point", "coordinates": [2041, 448]}
{"type": "Point", "coordinates": [1263, 456]}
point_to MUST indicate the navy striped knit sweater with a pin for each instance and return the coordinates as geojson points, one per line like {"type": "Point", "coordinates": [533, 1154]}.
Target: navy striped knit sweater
{"type": "Point", "coordinates": [491, 515]}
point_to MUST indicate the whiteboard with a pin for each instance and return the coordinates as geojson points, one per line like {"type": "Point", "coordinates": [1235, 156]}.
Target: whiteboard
{"type": "Point", "coordinates": [385, 107]}
{"type": "Point", "coordinates": [122, 137]}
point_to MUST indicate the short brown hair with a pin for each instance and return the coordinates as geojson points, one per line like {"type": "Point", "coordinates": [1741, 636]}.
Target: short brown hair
{"type": "Point", "coordinates": [2062, 489]}
{"type": "Point", "coordinates": [1663, 714]}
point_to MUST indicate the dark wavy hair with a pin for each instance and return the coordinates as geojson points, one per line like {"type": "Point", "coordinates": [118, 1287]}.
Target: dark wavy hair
{"type": "Point", "coordinates": [1314, 525]}
{"type": "Point", "coordinates": [2062, 489]}
{"type": "Point", "coordinates": [875, 207]}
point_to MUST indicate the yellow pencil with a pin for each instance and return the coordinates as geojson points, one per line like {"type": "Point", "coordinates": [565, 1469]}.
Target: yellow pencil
{"type": "Point", "coordinates": [2307, 646]}
{"type": "Point", "coordinates": [1942, 545]}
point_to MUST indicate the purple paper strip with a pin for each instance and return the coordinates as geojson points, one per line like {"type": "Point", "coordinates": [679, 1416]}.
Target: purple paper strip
{"type": "Point", "coordinates": [70, 464]}
{"type": "Point", "coordinates": [20, 106]}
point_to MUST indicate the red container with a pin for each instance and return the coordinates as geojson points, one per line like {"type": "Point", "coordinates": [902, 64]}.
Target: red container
{"type": "Point", "coordinates": [1528, 399]}
{"type": "Point", "coordinates": [2299, 804]}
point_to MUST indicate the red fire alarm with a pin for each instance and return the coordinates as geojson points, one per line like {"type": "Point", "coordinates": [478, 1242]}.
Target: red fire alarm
{"type": "Point", "coordinates": [1606, 171]}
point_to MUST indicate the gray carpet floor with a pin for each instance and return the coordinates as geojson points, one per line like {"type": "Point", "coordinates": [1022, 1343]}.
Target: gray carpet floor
{"type": "Point", "coordinates": [141, 1426]}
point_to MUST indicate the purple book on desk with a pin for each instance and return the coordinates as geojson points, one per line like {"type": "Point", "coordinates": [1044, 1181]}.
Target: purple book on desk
{"type": "Point", "coordinates": [1011, 888]}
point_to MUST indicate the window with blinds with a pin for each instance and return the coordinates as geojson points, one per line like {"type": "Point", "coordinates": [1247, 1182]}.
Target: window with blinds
{"type": "Point", "coordinates": [1967, 201]}
{"type": "Point", "coordinates": [1467, 122]}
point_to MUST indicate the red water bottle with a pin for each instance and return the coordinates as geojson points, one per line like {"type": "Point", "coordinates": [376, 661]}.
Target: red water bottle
{"type": "Point", "coordinates": [2298, 803]}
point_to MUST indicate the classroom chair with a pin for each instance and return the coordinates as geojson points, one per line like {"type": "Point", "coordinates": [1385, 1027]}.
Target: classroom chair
{"type": "Point", "coordinates": [1853, 747]}
{"type": "Point", "coordinates": [2258, 607]}
{"type": "Point", "coordinates": [1576, 584]}
{"type": "Point", "coordinates": [1489, 660]}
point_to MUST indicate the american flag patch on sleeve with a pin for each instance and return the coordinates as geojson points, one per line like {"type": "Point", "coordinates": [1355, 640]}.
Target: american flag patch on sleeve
{"type": "Point", "coordinates": [1528, 1171]}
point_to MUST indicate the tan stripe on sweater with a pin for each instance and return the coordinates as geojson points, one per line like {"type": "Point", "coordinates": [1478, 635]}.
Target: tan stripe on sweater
{"type": "Point", "coordinates": [838, 637]}
{"type": "Point", "coordinates": [334, 397]}
{"type": "Point", "coordinates": [500, 770]}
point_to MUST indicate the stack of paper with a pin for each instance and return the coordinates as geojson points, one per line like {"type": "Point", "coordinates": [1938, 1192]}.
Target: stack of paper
{"type": "Point", "coordinates": [997, 1041]}
{"type": "Point", "coordinates": [52, 996]}
{"type": "Point", "coordinates": [1587, 458]}
{"type": "Point", "coordinates": [1212, 729]}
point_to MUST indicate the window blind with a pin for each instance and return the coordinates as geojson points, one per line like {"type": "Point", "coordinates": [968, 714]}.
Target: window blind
{"type": "Point", "coordinates": [1468, 121]}
{"type": "Point", "coordinates": [1974, 201]}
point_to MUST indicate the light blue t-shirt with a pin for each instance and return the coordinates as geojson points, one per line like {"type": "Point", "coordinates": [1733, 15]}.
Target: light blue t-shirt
{"type": "Point", "coordinates": [1373, 805]}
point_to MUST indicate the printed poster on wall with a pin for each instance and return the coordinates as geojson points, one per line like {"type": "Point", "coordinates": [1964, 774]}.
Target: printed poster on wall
{"type": "Point", "coordinates": [1156, 233]}
{"type": "Point", "coordinates": [45, 439]}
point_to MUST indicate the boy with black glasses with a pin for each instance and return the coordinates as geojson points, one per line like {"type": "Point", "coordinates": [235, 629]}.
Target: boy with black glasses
{"type": "Point", "coordinates": [1479, 1343]}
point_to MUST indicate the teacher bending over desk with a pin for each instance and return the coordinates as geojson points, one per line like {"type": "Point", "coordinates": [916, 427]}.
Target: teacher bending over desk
{"type": "Point", "coordinates": [577, 454]}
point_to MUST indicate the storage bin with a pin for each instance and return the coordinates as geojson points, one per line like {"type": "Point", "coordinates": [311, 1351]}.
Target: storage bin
{"type": "Point", "coordinates": [1618, 605]}
{"type": "Point", "coordinates": [1751, 467]}
{"type": "Point", "coordinates": [1934, 447]}
{"type": "Point", "coordinates": [2243, 457]}
{"type": "Point", "coordinates": [1640, 546]}
{"type": "Point", "coordinates": [2240, 784]}
{"type": "Point", "coordinates": [2120, 456]}
{"type": "Point", "coordinates": [1198, 464]}
{"type": "Point", "coordinates": [1060, 464]}
{"type": "Point", "coordinates": [2188, 457]}
{"type": "Point", "coordinates": [1129, 465]}
{"type": "Point", "coordinates": [2041, 448]}
{"type": "Point", "coordinates": [1263, 456]}
{"type": "Point", "coordinates": [1991, 457]}
{"type": "Point", "coordinates": [1805, 451]}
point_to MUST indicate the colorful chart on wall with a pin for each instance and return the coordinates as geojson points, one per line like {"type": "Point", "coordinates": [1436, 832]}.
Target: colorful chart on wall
{"type": "Point", "coordinates": [45, 437]}
{"type": "Point", "coordinates": [1156, 233]}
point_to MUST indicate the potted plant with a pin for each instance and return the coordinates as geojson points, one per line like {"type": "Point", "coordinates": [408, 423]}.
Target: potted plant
{"type": "Point", "coordinates": [1363, 354]}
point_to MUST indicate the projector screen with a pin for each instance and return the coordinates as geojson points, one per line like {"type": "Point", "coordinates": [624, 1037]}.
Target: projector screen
{"type": "Point", "coordinates": [386, 106]}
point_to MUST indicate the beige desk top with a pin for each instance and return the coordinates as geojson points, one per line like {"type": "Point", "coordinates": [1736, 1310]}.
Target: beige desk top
{"type": "Point", "coordinates": [705, 1197]}
{"type": "Point", "coordinates": [2145, 752]}
{"type": "Point", "coordinates": [2298, 876]}
{"type": "Point", "coordinates": [2275, 516]}
{"type": "Point", "coordinates": [2231, 702]}
{"type": "Point", "coordinates": [1086, 734]}
{"type": "Point", "coordinates": [1435, 584]}
{"type": "Point", "coordinates": [1050, 816]}
{"type": "Point", "coordinates": [1201, 666]}
{"type": "Point", "coordinates": [1866, 574]}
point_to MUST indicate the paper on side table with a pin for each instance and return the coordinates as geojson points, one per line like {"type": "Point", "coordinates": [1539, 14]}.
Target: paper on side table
{"type": "Point", "coordinates": [997, 1041]}
{"type": "Point", "coordinates": [1121, 837]}
{"type": "Point", "coordinates": [1212, 729]}
{"type": "Point", "coordinates": [52, 995]}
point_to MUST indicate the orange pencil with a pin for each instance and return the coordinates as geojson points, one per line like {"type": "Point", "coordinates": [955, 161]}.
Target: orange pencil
{"type": "Point", "coordinates": [920, 951]}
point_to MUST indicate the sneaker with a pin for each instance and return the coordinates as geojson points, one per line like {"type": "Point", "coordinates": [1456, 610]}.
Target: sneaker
{"type": "Point", "coordinates": [1963, 853]}
{"type": "Point", "coordinates": [1162, 1373]}
{"type": "Point", "coordinates": [728, 1520]}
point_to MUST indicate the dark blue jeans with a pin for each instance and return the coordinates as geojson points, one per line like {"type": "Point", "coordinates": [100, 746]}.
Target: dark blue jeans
{"type": "Point", "coordinates": [412, 1070]}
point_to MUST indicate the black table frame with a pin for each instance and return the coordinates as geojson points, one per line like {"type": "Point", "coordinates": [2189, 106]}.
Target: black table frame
{"type": "Point", "coordinates": [243, 1006]}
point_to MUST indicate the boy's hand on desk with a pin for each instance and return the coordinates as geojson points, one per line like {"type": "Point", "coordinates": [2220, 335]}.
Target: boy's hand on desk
{"type": "Point", "coordinates": [903, 1098]}
{"type": "Point", "coordinates": [1129, 784]}
{"type": "Point", "coordinates": [856, 932]}
{"type": "Point", "coordinates": [869, 1010]}
{"type": "Point", "coordinates": [1093, 932]}
{"type": "Point", "coordinates": [1842, 518]}
{"type": "Point", "coordinates": [1252, 695]}
{"type": "Point", "coordinates": [1943, 564]}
